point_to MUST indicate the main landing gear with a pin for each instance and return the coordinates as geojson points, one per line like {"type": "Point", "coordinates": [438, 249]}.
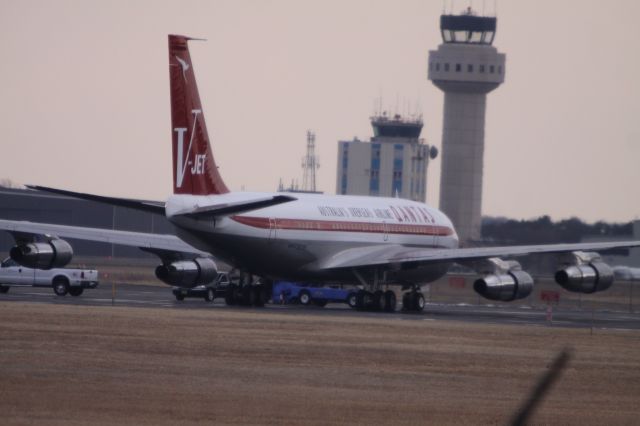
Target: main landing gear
{"type": "Point", "coordinates": [376, 300]}
{"type": "Point", "coordinates": [385, 301]}
{"type": "Point", "coordinates": [247, 292]}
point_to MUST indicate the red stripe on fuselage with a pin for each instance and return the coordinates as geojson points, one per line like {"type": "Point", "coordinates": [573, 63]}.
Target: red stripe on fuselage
{"type": "Point", "coordinates": [343, 226]}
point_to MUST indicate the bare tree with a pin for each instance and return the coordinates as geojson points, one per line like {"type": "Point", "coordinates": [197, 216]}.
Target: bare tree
{"type": "Point", "coordinates": [8, 183]}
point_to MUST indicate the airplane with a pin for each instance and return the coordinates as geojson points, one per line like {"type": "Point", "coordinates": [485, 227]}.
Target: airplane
{"type": "Point", "coordinates": [370, 242]}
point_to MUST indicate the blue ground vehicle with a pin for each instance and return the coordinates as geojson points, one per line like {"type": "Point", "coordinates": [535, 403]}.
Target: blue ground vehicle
{"type": "Point", "coordinates": [288, 292]}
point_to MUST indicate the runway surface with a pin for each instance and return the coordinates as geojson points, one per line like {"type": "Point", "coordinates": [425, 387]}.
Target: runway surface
{"type": "Point", "coordinates": [147, 296]}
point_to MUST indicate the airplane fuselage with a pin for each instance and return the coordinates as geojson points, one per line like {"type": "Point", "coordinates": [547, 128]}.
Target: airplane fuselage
{"type": "Point", "coordinates": [294, 240]}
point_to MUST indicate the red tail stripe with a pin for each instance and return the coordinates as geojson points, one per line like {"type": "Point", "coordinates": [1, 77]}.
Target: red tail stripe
{"type": "Point", "coordinates": [343, 226]}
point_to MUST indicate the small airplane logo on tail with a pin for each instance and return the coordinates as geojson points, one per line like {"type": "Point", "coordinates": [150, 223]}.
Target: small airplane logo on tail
{"type": "Point", "coordinates": [185, 67]}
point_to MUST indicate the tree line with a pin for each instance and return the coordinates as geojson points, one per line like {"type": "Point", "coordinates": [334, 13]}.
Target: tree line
{"type": "Point", "coordinates": [543, 230]}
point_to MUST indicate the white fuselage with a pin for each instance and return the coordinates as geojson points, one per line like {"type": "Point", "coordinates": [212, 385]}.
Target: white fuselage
{"type": "Point", "coordinates": [288, 240]}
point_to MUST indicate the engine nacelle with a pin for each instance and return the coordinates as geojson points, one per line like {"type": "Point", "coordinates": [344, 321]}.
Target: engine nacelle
{"type": "Point", "coordinates": [55, 253]}
{"type": "Point", "coordinates": [513, 285]}
{"type": "Point", "coordinates": [586, 278]}
{"type": "Point", "coordinates": [188, 273]}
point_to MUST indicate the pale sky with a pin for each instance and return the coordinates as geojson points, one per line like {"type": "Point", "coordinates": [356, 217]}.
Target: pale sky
{"type": "Point", "coordinates": [85, 94]}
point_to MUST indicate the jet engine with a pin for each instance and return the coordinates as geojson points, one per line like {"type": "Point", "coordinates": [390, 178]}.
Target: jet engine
{"type": "Point", "coordinates": [188, 273]}
{"type": "Point", "coordinates": [55, 253]}
{"type": "Point", "coordinates": [513, 285]}
{"type": "Point", "coordinates": [586, 278]}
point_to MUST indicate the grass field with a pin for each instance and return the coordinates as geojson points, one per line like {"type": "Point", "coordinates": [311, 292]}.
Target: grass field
{"type": "Point", "coordinates": [110, 365]}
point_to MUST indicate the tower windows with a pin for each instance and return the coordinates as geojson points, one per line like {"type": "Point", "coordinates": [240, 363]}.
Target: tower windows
{"type": "Point", "coordinates": [458, 67]}
{"type": "Point", "coordinates": [492, 69]}
{"type": "Point", "coordinates": [345, 167]}
{"type": "Point", "coordinates": [398, 155]}
{"type": "Point", "coordinates": [482, 69]}
{"type": "Point", "coordinates": [446, 67]}
{"type": "Point", "coordinates": [374, 180]}
{"type": "Point", "coordinates": [470, 68]}
{"type": "Point", "coordinates": [437, 66]}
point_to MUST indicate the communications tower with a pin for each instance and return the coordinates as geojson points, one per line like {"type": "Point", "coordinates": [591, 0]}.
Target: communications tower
{"type": "Point", "coordinates": [310, 164]}
{"type": "Point", "coordinates": [465, 67]}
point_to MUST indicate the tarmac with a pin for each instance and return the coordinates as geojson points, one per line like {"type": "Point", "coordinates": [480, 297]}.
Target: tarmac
{"type": "Point", "coordinates": [149, 296]}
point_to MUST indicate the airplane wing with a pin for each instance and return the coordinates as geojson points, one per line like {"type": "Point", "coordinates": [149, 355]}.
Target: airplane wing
{"type": "Point", "coordinates": [149, 242]}
{"type": "Point", "coordinates": [401, 256]}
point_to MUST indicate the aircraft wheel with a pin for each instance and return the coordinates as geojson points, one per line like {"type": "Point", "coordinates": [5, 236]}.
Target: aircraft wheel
{"type": "Point", "coordinates": [413, 301]}
{"type": "Point", "coordinates": [230, 296]}
{"type": "Point", "coordinates": [352, 300]}
{"type": "Point", "coordinates": [209, 295]}
{"type": "Point", "coordinates": [267, 290]}
{"type": "Point", "coordinates": [4, 289]}
{"type": "Point", "coordinates": [360, 300]}
{"type": "Point", "coordinates": [389, 301]}
{"type": "Point", "coordinates": [179, 297]}
{"type": "Point", "coordinates": [76, 291]}
{"type": "Point", "coordinates": [418, 303]}
{"type": "Point", "coordinates": [247, 295]}
{"type": "Point", "coordinates": [369, 301]}
{"type": "Point", "coordinates": [60, 286]}
{"type": "Point", "coordinates": [364, 300]}
{"type": "Point", "coordinates": [407, 304]}
{"type": "Point", "coordinates": [305, 297]}
{"type": "Point", "coordinates": [260, 298]}
{"type": "Point", "coordinates": [378, 301]}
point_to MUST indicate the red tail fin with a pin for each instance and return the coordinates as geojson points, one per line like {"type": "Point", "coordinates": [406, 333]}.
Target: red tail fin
{"type": "Point", "coordinates": [194, 169]}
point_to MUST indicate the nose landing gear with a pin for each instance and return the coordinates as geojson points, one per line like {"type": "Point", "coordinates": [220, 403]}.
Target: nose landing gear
{"type": "Point", "coordinates": [247, 291]}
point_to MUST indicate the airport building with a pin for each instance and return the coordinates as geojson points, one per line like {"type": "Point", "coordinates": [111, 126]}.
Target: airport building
{"type": "Point", "coordinates": [466, 67]}
{"type": "Point", "coordinates": [392, 163]}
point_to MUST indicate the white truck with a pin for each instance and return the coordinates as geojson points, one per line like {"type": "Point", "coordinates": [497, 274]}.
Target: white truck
{"type": "Point", "coordinates": [61, 280]}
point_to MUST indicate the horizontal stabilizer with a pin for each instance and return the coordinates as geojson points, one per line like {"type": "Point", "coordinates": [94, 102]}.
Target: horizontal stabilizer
{"type": "Point", "coordinates": [227, 209]}
{"type": "Point", "coordinates": [147, 206]}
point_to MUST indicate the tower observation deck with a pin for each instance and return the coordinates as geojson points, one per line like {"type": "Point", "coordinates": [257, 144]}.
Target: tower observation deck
{"type": "Point", "coordinates": [465, 67]}
{"type": "Point", "coordinates": [396, 127]}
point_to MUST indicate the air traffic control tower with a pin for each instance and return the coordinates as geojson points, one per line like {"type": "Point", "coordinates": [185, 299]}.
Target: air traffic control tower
{"type": "Point", "coordinates": [465, 67]}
